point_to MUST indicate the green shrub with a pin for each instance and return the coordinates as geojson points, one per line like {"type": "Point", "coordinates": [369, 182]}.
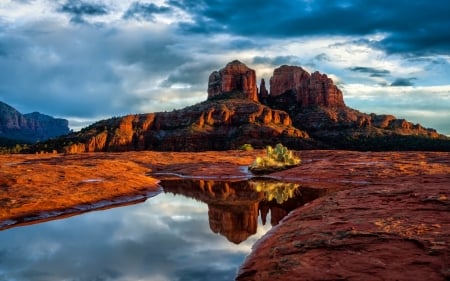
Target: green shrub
{"type": "Point", "coordinates": [278, 158]}
{"type": "Point", "coordinates": [246, 147]}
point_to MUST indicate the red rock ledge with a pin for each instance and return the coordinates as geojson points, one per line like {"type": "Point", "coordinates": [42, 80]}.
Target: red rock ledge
{"type": "Point", "coordinates": [396, 227]}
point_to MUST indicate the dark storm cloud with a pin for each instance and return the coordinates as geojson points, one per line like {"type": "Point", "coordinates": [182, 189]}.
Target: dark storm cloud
{"type": "Point", "coordinates": [78, 9]}
{"type": "Point", "coordinates": [70, 72]}
{"type": "Point", "coordinates": [418, 27]}
{"type": "Point", "coordinates": [373, 72]}
{"type": "Point", "coordinates": [399, 82]}
{"type": "Point", "coordinates": [144, 11]}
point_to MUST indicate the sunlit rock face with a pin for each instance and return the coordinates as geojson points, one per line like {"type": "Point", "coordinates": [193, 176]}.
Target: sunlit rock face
{"type": "Point", "coordinates": [310, 89]}
{"type": "Point", "coordinates": [219, 125]}
{"type": "Point", "coordinates": [234, 77]}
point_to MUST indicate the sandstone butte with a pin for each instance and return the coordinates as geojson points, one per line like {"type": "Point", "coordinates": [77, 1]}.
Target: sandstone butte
{"type": "Point", "coordinates": [384, 216]}
{"type": "Point", "coordinates": [301, 110]}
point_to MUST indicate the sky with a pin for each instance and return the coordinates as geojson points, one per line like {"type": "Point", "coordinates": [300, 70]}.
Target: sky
{"type": "Point", "coordinates": [86, 60]}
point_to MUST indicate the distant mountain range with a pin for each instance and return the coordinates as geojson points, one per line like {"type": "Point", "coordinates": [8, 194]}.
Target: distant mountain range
{"type": "Point", "coordinates": [302, 111]}
{"type": "Point", "coordinates": [28, 128]}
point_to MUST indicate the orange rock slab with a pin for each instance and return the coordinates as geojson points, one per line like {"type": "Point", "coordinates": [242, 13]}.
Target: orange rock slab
{"type": "Point", "coordinates": [392, 224]}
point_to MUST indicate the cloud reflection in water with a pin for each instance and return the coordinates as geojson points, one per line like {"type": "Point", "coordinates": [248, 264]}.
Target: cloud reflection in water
{"type": "Point", "coordinates": [168, 237]}
{"type": "Point", "coordinates": [148, 241]}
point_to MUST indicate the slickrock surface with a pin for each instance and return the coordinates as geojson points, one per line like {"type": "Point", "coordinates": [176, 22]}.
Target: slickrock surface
{"type": "Point", "coordinates": [35, 187]}
{"type": "Point", "coordinates": [394, 224]}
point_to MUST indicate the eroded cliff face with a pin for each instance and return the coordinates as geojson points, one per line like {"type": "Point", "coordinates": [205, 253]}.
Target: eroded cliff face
{"type": "Point", "coordinates": [317, 106]}
{"type": "Point", "coordinates": [235, 76]}
{"type": "Point", "coordinates": [310, 89]}
{"type": "Point", "coordinates": [219, 125]}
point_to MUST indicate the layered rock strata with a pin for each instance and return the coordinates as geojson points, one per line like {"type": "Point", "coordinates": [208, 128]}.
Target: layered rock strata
{"type": "Point", "coordinates": [310, 89]}
{"type": "Point", "coordinates": [220, 125]}
{"type": "Point", "coordinates": [234, 77]}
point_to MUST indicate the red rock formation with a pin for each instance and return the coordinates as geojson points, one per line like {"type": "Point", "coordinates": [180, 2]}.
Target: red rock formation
{"type": "Point", "coordinates": [235, 76]}
{"type": "Point", "coordinates": [218, 125]}
{"type": "Point", "coordinates": [298, 101]}
{"type": "Point", "coordinates": [311, 90]}
{"type": "Point", "coordinates": [263, 93]}
{"type": "Point", "coordinates": [319, 90]}
{"type": "Point", "coordinates": [287, 78]}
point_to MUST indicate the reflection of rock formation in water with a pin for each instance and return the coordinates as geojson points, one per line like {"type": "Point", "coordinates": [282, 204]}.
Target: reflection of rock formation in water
{"type": "Point", "coordinates": [234, 205]}
{"type": "Point", "coordinates": [237, 222]}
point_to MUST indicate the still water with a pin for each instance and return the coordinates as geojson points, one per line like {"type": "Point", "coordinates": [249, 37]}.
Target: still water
{"type": "Point", "coordinates": [193, 230]}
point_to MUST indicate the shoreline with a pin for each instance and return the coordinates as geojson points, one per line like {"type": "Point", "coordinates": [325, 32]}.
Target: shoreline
{"type": "Point", "coordinates": [44, 216]}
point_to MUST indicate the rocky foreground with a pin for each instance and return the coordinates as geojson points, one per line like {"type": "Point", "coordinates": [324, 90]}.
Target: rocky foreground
{"type": "Point", "coordinates": [386, 215]}
{"type": "Point", "coordinates": [393, 224]}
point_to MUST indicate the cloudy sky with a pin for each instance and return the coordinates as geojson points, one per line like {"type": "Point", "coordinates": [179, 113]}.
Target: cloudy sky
{"type": "Point", "coordinates": [86, 60]}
